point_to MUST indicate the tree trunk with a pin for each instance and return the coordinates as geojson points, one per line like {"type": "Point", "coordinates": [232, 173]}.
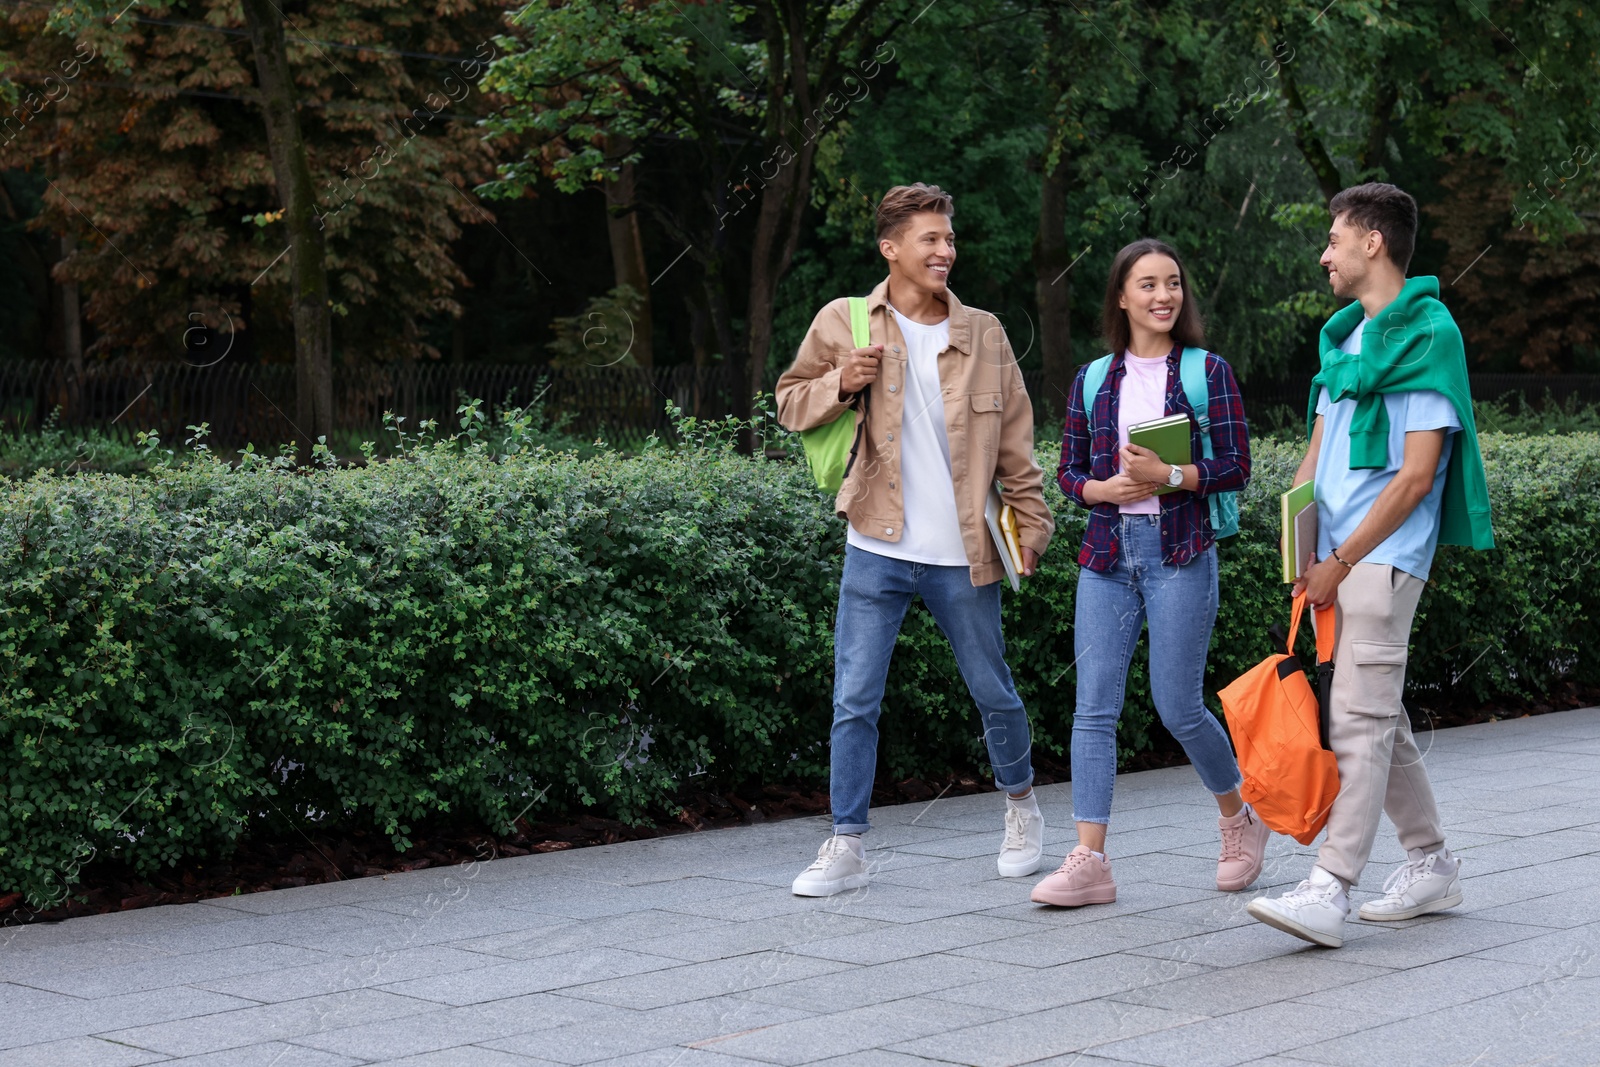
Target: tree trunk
{"type": "Point", "coordinates": [313, 336]}
{"type": "Point", "coordinates": [777, 234]}
{"type": "Point", "coordinates": [71, 313]}
{"type": "Point", "coordinates": [627, 249]}
{"type": "Point", "coordinates": [1383, 104]}
{"type": "Point", "coordinates": [1052, 287]}
{"type": "Point", "coordinates": [699, 346]}
{"type": "Point", "coordinates": [1306, 138]}
{"type": "Point", "coordinates": [722, 328]}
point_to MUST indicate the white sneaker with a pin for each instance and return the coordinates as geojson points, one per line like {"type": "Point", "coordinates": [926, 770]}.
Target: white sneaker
{"type": "Point", "coordinates": [1022, 851]}
{"type": "Point", "coordinates": [841, 864]}
{"type": "Point", "coordinates": [1314, 910]}
{"type": "Point", "coordinates": [1423, 884]}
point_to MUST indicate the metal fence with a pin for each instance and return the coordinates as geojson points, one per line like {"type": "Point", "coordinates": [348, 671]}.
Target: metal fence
{"type": "Point", "coordinates": [625, 404]}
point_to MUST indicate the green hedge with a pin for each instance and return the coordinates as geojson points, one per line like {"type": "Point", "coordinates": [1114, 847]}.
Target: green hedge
{"type": "Point", "coordinates": [469, 636]}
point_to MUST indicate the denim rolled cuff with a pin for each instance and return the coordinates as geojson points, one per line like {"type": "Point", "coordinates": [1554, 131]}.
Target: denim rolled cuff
{"type": "Point", "coordinates": [1016, 787]}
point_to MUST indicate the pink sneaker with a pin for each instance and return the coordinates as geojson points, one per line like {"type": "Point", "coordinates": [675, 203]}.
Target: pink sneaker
{"type": "Point", "coordinates": [1244, 849]}
{"type": "Point", "coordinates": [1081, 879]}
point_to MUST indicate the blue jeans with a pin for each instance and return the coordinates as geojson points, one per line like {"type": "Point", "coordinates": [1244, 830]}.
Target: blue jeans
{"type": "Point", "coordinates": [874, 594]}
{"type": "Point", "coordinates": [1180, 604]}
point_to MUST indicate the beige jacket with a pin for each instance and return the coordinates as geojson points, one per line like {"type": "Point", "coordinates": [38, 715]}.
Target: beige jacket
{"type": "Point", "coordinates": [987, 416]}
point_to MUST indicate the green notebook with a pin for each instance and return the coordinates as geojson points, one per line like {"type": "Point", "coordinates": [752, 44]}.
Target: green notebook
{"type": "Point", "coordinates": [1167, 438]}
{"type": "Point", "coordinates": [1297, 512]}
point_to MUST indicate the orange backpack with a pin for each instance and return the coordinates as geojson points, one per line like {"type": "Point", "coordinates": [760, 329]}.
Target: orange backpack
{"type": "Point", "coordinates": [1279, 730]}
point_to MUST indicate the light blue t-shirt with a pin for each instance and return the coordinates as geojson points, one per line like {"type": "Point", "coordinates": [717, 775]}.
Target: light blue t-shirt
{"type": "Point", "coordinates": [1345, 496]}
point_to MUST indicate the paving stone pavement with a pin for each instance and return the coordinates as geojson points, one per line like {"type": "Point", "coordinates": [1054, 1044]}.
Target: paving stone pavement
{"type": "Point", "coordinates": [691, 952]}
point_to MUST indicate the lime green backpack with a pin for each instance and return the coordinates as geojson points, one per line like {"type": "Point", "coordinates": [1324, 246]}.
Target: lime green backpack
{"type": "Point", "coordinates": [831, 447]}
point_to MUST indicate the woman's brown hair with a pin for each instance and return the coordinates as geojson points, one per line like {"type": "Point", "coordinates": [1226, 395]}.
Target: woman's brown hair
{"type": "Point", "coordinates": [1188, 331]}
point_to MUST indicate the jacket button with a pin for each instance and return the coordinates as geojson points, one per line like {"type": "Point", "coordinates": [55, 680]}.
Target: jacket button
{"type": "Point", "coordinates": [891, 388]}
{"type": "Point", "coordinates": [895, 349]}
{"type": "Point", "coordinates": [996, 401]}
{"type": "Point", "coordinates": [888, 531]}
{"type": "Point", "coordinates": [891, 437]}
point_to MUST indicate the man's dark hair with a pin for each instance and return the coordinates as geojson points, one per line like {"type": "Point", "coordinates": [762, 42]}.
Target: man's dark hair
{"type": "Point", "coordinates": [904, 201]}
{"type": "Point", "coordinates": [1385, 208]}
{"type": "Point", "coordinates": [1188, 330]}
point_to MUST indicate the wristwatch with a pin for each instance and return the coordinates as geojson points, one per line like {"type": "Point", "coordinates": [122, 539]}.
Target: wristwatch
{"type": "Point", "coordinates": [1175, 479]}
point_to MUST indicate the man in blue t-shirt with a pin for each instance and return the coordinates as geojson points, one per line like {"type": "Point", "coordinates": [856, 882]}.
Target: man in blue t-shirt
{"type": "Point", "coordinates": [1377, 529]}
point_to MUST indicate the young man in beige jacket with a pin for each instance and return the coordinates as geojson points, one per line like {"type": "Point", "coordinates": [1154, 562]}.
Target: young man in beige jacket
{"type": "Point", "coordinates": [943, 414]}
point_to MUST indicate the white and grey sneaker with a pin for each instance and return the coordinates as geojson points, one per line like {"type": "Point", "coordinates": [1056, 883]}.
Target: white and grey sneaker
{"type": "Point", "coordinates": [1022, 850]}
{"type": "Point", "coordinates": [841, 865]}
{"type": "Point", "coordinates": [1424, 883]}
{"type": "Point", "coordinates": [1314, 910]}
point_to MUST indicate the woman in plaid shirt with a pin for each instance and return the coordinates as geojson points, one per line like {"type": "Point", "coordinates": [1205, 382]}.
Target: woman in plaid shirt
{"type": "Point", "coordinates": [1148, 558]}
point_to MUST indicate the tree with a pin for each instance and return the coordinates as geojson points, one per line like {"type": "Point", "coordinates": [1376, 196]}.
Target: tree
{"type": "Point", "coordinates": [158, 161]}
{"type": "Point", "coordinates": [1488, 117]}
{"type": "Point", "coordinates": [592, 82]}
{"type": "Point", "coordinates": [601, 77]}
{"type": "Point", "coordinates": [308, 285]}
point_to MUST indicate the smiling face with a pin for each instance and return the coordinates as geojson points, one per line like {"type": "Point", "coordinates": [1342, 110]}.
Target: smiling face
{"type": "Point", "coordinates": [1346, 259]}
{"type": "Point", "coordinates": [1152, 294]}
{"type": "Point", "coordinates": [923, 253]}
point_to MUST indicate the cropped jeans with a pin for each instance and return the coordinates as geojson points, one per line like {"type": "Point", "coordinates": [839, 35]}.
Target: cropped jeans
{"type": "Point", "coordinates": [874, 593]}
{"type": "Point", "coordinates": [1180, 605]}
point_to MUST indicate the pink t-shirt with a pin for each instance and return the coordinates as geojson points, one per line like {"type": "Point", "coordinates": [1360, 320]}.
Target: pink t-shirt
{"type": "Point", "coordinates": [1143, 399]}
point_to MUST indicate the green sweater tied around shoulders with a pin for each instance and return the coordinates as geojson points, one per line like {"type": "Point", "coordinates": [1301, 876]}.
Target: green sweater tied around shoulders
{"type": "Point", "coordinates": [1412, 344]}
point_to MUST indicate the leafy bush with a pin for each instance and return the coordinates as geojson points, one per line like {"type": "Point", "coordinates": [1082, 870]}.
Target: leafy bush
{"type": "Point", "coordinates": [476, 633]}
{"type": "Point", "coordinates": [1511, 414]}
{"type": "Point", "coordinates": [54, 448]}
{"type": "Point", "coordinates": [1515, 414]}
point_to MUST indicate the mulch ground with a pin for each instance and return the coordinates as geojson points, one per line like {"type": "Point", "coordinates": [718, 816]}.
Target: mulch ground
{"type": "Point", "coordinates": [307, 858]}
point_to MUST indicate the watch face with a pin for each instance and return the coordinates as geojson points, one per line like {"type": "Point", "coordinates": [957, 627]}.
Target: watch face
{"type": "Point", "coordinates": [1176, 477]}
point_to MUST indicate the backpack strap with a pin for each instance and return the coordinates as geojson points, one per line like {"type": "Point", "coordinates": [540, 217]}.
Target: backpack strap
{"type": "Point", "coordinates": [860, 333]}
{"type": "Point", "coordinates": [1192, 369]}
{"type": "Point", "coordinates": [860, 325]}
{"type": "Point", "coordinates": [1094, 376]}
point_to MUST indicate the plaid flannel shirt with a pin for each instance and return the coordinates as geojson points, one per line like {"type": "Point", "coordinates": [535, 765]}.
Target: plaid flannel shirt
{"type": "Point", "coordinates": [1185, 516]}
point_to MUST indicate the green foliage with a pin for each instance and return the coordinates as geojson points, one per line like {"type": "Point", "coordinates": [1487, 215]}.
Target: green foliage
{"type": "Point", "coordinates": [602, 335]}
{"type": "Point", "coordinates": [1516, 415]}
{"type": "Point", "coordinates": [600, 70]}
{"type": "Point", "coordinates": [480, 629]}
{"type": "Point", "coordinates": [66, 451]}
{"type": "Point", "coordinates": [1514, 620]}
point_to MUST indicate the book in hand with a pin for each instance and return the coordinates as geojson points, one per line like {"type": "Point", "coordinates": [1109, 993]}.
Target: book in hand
{"type": "Point", "coordinates": [1167, 438]}
{"type": "Point", "coordinates": [1297, 511]}
{"type": "Point", "coordinates": [1002, 521]}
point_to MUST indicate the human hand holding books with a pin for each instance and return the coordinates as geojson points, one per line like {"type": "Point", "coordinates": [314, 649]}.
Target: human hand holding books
{"type": "Point", "coordinates": [1018, 561]}
{"type": "Point", "coordinates": [1154, 448]}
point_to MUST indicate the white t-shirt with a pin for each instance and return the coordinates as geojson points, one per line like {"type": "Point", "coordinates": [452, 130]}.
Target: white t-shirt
{"type": "Point", "coordinates": [1143, 399]}
{"type": "Point", "coordinates": [931, 532]}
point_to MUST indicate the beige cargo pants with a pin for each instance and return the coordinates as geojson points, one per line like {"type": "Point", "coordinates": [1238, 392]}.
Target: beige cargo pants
{"type": "Point", "coordinates": [1380, 766]}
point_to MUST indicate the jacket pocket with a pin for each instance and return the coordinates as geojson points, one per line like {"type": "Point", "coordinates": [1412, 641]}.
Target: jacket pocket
{"type": "Point", "coordinates": [985, 402]}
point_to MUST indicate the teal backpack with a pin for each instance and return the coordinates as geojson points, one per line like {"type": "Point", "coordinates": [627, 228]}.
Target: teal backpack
{"type": "Point", "coordinates": [831, 447]}
{"type": "Point", "coordinates": [1192, 371]}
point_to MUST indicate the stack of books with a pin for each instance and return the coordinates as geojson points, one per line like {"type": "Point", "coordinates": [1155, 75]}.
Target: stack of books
{"type": "Point", "coordinates": [1167, 438]}
{"type": "Point", "coordinates": [1003, 528]}
{"type": "Point", "coordinates": [1298, 513]}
